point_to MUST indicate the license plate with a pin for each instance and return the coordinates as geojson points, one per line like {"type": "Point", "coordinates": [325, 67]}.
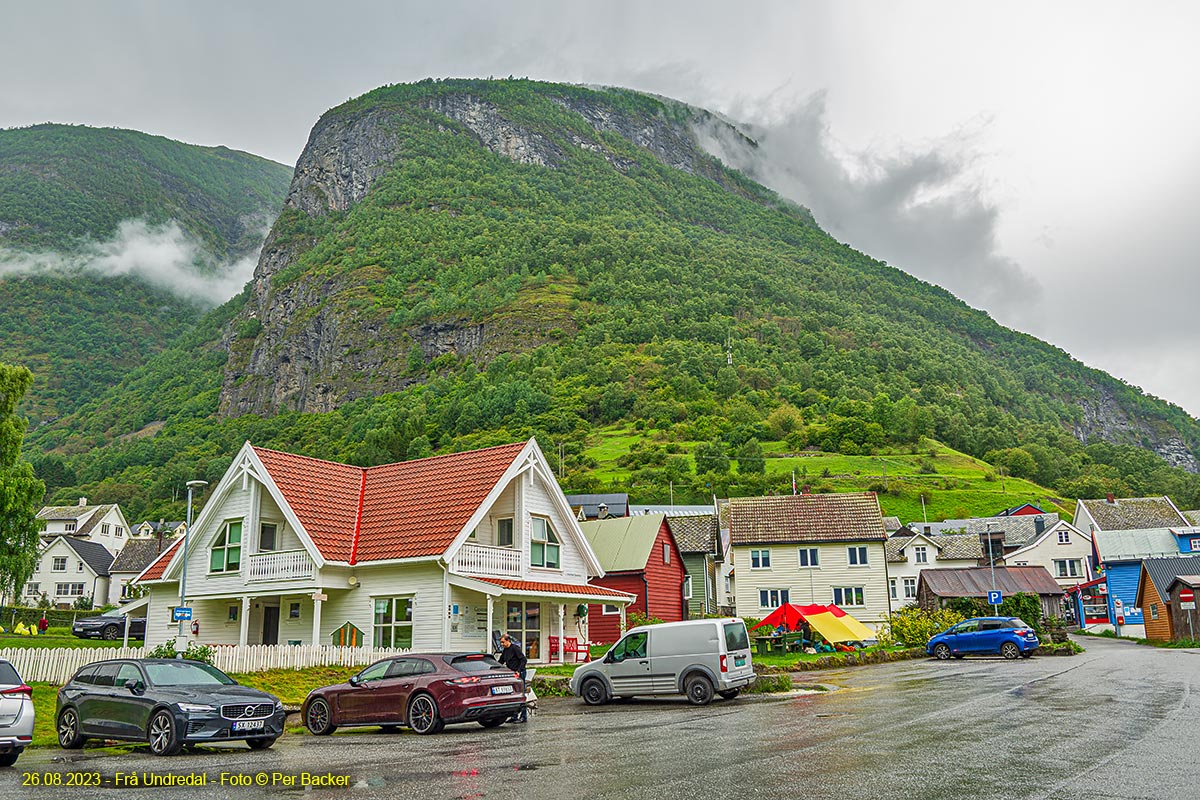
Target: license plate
{"type": "Point", "coordinates": [502, 690]}
{"type": "Point", "coordinates": [248, 725]}
{"type": "Point", "coordinates": [739, 661]}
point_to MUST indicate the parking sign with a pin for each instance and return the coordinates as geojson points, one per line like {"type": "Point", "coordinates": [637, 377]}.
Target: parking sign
{"type": "Point", "coordinates": [995, 598]}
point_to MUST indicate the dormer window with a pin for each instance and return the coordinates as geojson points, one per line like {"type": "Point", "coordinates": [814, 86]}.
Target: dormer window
{"type": "Point", "coordinates": [69, 527]}
{"type": "Point", "coordinates": [544, 547]}
{"type": "Point", "coordinates": [226, 552]}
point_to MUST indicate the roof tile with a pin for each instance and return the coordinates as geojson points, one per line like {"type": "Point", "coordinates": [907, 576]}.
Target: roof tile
{"type": "Point", "coordinates": [852, 516]}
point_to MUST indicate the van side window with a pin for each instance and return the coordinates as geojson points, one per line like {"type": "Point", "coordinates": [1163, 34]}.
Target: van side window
{"type": "Point", "coordinates": [632, 646]}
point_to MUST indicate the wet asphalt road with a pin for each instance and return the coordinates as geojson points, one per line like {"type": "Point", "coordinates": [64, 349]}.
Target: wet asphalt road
{"type": "Point", "coordinates": [1115, 722]}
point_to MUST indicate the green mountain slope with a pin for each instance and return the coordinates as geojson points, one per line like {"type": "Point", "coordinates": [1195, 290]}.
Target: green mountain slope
{"type": "Point", "coordinates": [465, 262]}
{"type": "Point", "coordinates": [65, 188]}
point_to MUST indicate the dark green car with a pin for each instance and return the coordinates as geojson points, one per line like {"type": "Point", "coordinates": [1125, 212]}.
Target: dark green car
{"type": "Point", "coordinates": [165, 702]}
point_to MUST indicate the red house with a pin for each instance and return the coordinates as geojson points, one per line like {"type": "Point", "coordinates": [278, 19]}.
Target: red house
{"type": "Point", "coordinates": [1022, 510]}
{"type": "Point", "coordinates": [639, 556]}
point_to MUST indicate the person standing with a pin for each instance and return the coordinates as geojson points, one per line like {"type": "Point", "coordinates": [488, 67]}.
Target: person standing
{"type": "Point", "coordinates": [43, 625]}
{"type": "Point", "coordinates": [514, 658]}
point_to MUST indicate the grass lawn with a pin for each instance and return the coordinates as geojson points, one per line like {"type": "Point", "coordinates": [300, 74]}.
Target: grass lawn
{"type": "Point", "coordinates": [58, 637]}
{"type": "Point", "coordinates": [293, 685]}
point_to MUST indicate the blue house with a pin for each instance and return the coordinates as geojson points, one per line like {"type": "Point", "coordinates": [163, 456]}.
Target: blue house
{"type": "Point", "coordinates": [1120, 555]}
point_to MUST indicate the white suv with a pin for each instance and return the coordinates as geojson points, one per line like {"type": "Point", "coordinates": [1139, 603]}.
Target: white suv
{"type": "Point", "coordinates": [16, 714]}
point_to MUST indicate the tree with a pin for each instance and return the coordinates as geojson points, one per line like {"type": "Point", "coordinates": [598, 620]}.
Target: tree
{"type": "Point", "coordinates": [750, 458]}
{"type": "Point", "coordinates": [711, 457]}
{"type": "Point", "coordinates": [20, 492]}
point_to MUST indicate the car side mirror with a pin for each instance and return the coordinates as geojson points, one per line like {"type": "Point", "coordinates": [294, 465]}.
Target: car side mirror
{"type": "Point", "coordinates": [354, 680]}
{"type": "Point", "coordinates": [135, 686]}
{"type": "Point", "coordinates": [610, 657]}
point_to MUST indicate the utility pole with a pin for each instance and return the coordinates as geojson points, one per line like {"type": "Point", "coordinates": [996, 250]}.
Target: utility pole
{"type": "Point", "coordinates": [180, 644]}
{"type": "Point", "coordinates": [992, 560]}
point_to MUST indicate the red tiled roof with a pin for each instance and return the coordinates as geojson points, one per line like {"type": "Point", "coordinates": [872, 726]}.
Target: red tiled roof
{"type": "Point", "coordinates": [159, 565]}
{"type": "Point", "coordinates": [406, 510]}
{"type": "Point", "coordinates": [785, 519]}
{"type": "Point", "coordinates": [538, 587]}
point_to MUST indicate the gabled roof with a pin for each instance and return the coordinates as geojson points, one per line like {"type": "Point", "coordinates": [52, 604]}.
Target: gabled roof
{"type": "Point", "coordinates": [1135, 545]}
{"type": "Point", "coordinates": [1050, 529]}
{"type": "Point", "coordinates": [623, 544]}
{"type": "Point", "coordinates": [1193, 516]}
{"type": "Point", "coordinates": [1164, 571]}
{"type": "Point", "coordinates": [950, 546]}
{"type": "Point", "coordinates": [1134, 513]}
{"type": "Point", "coordinates": [617, 504]}
{"type": "Point", "coordinates": [1018, 530]}
{"type": "Point", "coordinates": [695, 533]}
{"type": "Point", "coordinates": [155, 526]}
{"type": "Point", "coordinates": [406, 510]}
{"type": "Point", "coordinates": [891, 524]}
{"type": "Point", "coordinates": [137, 554]}
{"type": "Point", "coordinates": [785, 519]}
{"type": "Point", "coordinates": [159, 565]}
{"type": "Point", "coordinates": [86, 517]}
{"type": "Point", "coordinates": [1024, 508]}
{"type": "Point", "coordinates": [977, 581]}
{"type": "Point", "coordinates": [94, 554]}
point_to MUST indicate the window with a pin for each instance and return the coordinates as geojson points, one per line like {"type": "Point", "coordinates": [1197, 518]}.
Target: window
{"type": "Point", "coordinates": [910, 588]}
{"type": "Point", "coordinates": [60, 564]}
{"type": "Point", "coordinates": [1066, 568]}
{"type": "Point", "coordinates": [233, 613]}
{"type": "Point", "coordinates": [687, 587]}
{"type": "Point", "coordinates": [69, 527]}
{"type": "Point", "coordinates": [892, 587]}
{"type": "Point", "coordinates": [1064, 537]}
{"type": "Point", "coordinates": [375, 672]}
{"type": "Point", "coordinates": [523, 623]}
{"type": "Point", "coordinates": [393, 622]}
{"type": "Point", "coordinates": [1195, 543]}
{"type": "Point", "coordinates": [68, 589]}
{"type": "Point", "coordinates": [728, 584]}
{"type": "Point", "coordinates": [33, 588]}
{"type": "Point", "coordinates": [1154, 611]}
{"type": "Point", "coordinates": [128, 672]}
{"type": "Point", "coordinates": [119, 532]}
{"type": "Point", "coordinates": [760, 559]}
{"type": "Point", "coordinates": [857, 556]}
{"type": "Point", "coordinates": [267, 537]}
{"type": "Point", "coordinates": [294, 611]}
{"type": "Point", "coordinates": [808, 557]}
{"type": "Point", "coordinates": [772, 598]}
{"type": "Point", "coordinates": [226, 553]}
{"type": "Point", "coordinates": [610, 609]}
{"type": "Point", "coordinates": [105, 529]}
{"type": "Point", "coordinates": [504, 532]}
{"type": "Point", "coordinates": [544, 547]}
{"type": "Point", "coordinates": [848, 596]}
{"type": "Point", "coordinates": [920, 554]}
{"type": "Point", "coordinates": [632, 646]}
{"type": "Point", "coordinates": [666, 553]}
{"type": "Point", "coordinates": [79, 566]}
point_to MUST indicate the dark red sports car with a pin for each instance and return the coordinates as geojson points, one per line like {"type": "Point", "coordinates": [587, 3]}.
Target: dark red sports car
{"type": "Point", "coordinates": [424, 691]}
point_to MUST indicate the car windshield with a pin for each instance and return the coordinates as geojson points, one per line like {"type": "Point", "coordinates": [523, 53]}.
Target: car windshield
{"type": "Point", "coordinates": [185, 673]}
{"type": "Point", "coordinates": [112, 612]}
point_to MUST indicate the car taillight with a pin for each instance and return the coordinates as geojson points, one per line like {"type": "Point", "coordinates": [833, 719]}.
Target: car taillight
{"type": "Point", "coordinates": [724, 664]}
{"type": "Point", "coordinates": [24, 689]}
{"type": "Point", "coordinates": [464, 681]}
{"type": "Point", "coordinates": [1024, 632]}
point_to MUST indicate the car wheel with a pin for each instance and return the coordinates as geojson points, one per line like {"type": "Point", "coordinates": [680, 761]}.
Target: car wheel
{"type": "Point", "coordinates": [318, 719]}
{"type": "Point", "coordinates": [941, 651]}
{"type": "Point", "coordinates": [699, 690]}
{"type": "Point", "coordinates": [729, 694]}
{"type": "Point", "coordinates": [423, 715]}
{"type": "Point", "coordinates": [1010, 650]}
{"type": "Point", "coordinates": [494, 722]}
{"type": "Point", "coordinates": [68, 730]}
{"type": "Point", "coordinates": [593, 692]}
{"type": "Point", "coordinates": [9, 758]}
{"type": "Point", "coordinates": [261, 744]}
{"type": "Point", "coordinates": [164, 741]}
{"type": "Point", "coordinates": [110, 632]}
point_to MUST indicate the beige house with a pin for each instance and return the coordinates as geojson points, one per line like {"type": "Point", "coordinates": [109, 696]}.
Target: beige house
{"type": "Point", "coordinates": [441, 553]}
{"type": "Point", "coordinates": [908, 553]}
{"type": "Point", "coordinates": [1064, 550]}
{"type": "Point", "coordinates": [810, 548]}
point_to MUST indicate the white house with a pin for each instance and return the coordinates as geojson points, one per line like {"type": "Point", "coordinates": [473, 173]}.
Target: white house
{"type": "Point", "coordinates": [810, 548]}
{"type": "Point", "coordinates": [166, 529]}
{"type": "Point", "coordinates": [1064, 550]}
{"type": "Point", "coordinates": [103, 524]}
{"type": "Point", "coordinates": [69, 568]}
{"type": "Point", "coordinates": [909, 552]}
{"type": "Point", "coordinates": [440, 553]}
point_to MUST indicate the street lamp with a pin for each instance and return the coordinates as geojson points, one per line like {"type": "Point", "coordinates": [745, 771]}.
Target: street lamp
{"type": "Point", "coordinates": [180, 644]}
{"type": "Point", "coordinates": [992, 561]}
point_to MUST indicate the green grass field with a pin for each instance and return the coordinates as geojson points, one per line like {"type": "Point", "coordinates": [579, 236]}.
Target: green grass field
{"type": "Point", "coordinates": [58, 637]}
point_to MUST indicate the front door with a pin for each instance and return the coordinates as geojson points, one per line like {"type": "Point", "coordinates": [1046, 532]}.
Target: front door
{"type": "Point", "coordinates": [628, 666]}
{"type": "Point", "coordinates": [965, 635]}
{"type": "Point", "coordinates": [270, 625]}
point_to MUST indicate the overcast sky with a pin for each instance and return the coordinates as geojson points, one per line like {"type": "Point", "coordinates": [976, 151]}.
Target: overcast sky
{"type": "Point", "coordinates": [1036, 159]}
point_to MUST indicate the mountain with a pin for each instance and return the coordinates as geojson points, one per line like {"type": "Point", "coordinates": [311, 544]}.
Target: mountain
{"type": "Point", "coordinates": [465, 262]}
{"type": "Point", "coordinates": [71, 196]}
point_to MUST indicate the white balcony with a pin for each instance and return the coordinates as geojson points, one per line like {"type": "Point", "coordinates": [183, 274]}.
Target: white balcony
{"type": "Point", "coordinates": [280, 566]}
{"type": "Point", "coordinates": [480, 559]}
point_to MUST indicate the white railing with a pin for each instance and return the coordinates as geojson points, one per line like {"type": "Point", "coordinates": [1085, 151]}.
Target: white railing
{"type": "Point", "coordinates": [480, 559]}
{"type": "Point", "coordinates": [58, 664]}
{"type": "Point", "coordinates": [282, 565]}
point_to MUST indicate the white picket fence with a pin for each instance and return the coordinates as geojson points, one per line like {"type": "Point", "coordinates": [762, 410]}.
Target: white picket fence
{"type": "Point", "coordinates": [56, 665]}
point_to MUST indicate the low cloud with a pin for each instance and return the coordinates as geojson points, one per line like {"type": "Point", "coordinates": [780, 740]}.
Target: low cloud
{"type": "Point", "coordinates": [164, 255]}
{"type": "Point", "coordinates": [919, 210]}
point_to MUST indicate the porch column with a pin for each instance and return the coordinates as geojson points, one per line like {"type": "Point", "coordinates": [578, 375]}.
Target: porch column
{"type": "Point", "coordinates": [244, 622]}
{"type": "Point", "coordinates": [623, 605]}
{"type": "Point", "coordinates": [316, 615]}
{"type": "Point", "coordinates": [562, 613]}
{"type": "Point", "coordinates": [487, 639]}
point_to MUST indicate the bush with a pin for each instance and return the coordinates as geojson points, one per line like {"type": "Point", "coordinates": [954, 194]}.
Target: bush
{"type": "Point", "coordinates": [1026, 606]}
{"type": "Point", "coordinates": [636, 619]}
{"type": "Point", "coordinates": [194, 652]}
{"type": "Point", "coordinates": [913, 626]}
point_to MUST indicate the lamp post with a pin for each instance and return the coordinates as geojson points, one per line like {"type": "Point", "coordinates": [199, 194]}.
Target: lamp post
{"type": "Point", "coordinates": [180, 644]}
{"type": "Point", "coordinates": [992, 561]}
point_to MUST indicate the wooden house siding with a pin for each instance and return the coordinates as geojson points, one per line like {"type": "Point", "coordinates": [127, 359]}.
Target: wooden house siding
{"type": "Point", "coordinates": [1150, 602]}
{"type": "Point", "coordinates": [606, 628]}
{"type": "Point", "coordinates": [1122, 578]}
{"type": "Point", "coordinates": [665, 579]}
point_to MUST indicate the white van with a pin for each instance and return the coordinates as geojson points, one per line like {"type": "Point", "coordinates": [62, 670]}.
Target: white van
{"type": "Point", "coordinates": [697, 658]}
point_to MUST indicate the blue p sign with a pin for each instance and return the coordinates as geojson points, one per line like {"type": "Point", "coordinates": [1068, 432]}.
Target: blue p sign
{"type": "Point", "coordinates": [995, 598]}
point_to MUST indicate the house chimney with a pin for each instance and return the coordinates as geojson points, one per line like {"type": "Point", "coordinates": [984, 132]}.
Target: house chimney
{"type": "Point", "coordinates": [82, 501]}
{"type": "Point", "coordinates": [1039, 525]}
{"type": "Point", "coordinates": [1111, 498]}
{"type": "Point", "coordinates": [602, 511]}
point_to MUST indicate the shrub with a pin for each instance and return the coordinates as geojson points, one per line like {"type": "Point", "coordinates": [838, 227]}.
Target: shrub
{"type": "Point", "coordinates": [913, 626]}
{"type": "Point", "coordinates": [194, 652]}
{"type": "Point", "coordinates": [1026, 606]}
{"type": "Point", "coordinates": [635, 619]}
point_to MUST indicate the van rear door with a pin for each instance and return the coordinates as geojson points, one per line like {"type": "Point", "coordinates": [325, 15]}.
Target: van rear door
{"type": "Point", "coordinates": [736, 660]}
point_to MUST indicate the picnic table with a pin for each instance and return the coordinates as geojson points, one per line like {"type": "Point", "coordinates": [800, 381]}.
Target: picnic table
{"type": "Point", "coordinates": [770, 645]}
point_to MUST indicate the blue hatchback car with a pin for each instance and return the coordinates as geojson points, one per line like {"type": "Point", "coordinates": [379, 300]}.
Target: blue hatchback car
{"type": "Point", "coordinates": [1006, 636]}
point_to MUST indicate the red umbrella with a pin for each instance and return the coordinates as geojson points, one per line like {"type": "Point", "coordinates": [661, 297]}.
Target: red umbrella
{"type": "Point", "coordinates": [788, 614]}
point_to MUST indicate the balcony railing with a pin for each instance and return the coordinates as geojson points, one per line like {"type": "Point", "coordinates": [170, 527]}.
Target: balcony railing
{"type": "Point", "coordinates": [480, 559]}
{"type": "Point", "coordinates": [282, 565]}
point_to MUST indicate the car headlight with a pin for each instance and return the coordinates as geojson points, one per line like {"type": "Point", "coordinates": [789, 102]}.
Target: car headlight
{"type": "Point", "coordinates": [195, 708]}
{"type": "Point", "coordinates": [278, 705]}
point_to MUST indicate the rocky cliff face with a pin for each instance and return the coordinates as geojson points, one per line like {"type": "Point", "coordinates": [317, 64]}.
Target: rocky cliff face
{"type": "Point", "coordinates": [1104, 419]}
